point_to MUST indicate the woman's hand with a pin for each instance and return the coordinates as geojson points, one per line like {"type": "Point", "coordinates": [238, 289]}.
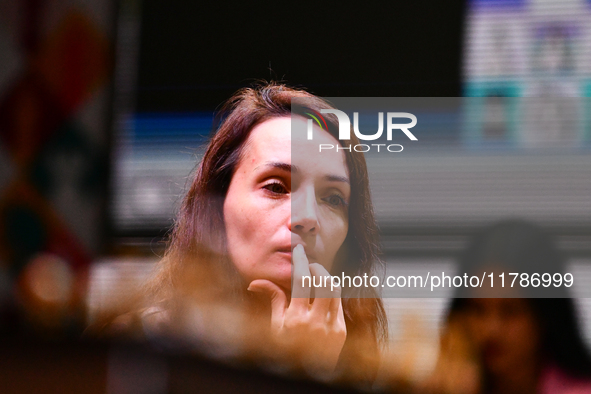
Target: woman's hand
{"type": "Point", "coordinates": [313, 329]}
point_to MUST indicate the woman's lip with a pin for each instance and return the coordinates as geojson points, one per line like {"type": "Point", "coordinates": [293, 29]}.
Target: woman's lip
{"type": "Point", "coordinates": [311, 256]}
{"type": "Point", "coordinates": [289, 250]}
{"type": "Point", "coordinates": [285, 252]}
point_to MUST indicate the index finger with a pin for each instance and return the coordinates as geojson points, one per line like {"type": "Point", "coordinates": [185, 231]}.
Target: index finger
{"type": "Point", "coordinates": [301, 285]}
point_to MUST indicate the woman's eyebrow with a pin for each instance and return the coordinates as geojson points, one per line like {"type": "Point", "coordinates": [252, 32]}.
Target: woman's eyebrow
{"type": "Point", "coordinates": [337, 178]}
{"type": "Point", "coordinates": [279, 165]}
{"type": "Point", "coordinates": [294, 169]}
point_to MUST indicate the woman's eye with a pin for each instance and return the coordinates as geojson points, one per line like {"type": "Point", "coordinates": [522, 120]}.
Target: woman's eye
{"type": "Point", "coordinates": [335, 200]}
{"type": "Point", "coordinates": [276, 188]}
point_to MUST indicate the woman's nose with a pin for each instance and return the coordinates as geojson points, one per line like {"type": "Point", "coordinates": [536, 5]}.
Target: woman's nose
{"type": "Point", "coordinates": [304, 217]}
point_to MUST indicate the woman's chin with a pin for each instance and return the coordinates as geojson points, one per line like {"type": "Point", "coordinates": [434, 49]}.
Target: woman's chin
{"type": "Point", "coordinates": [284, 281]}
{"type": "Point", "coordinates": [281, 277]}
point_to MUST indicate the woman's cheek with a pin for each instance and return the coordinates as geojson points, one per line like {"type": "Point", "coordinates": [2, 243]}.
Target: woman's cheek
{"type": "Point", "coordinates": [338, 226]}
{"type": "Point", "coordinates": [335, 235]}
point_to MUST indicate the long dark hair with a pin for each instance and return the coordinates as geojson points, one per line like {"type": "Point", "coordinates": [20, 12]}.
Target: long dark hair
{"type": "Point", "coordinates": [522, 246]}
{"type": "Point", "coordinates": [197, 244]}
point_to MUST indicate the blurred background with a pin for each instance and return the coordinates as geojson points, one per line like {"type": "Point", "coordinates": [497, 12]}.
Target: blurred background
{"type": "Point", "coordinates": [105, 106]}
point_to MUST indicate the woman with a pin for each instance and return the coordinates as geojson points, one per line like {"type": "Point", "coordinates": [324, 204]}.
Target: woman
{"type": "Point", "coordinates": [517, 345]}
{"type": "Point", "coordinates": [251, 210]}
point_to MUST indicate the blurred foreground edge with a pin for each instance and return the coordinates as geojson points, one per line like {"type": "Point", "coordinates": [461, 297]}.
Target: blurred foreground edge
{"type": "Point", "coordinates": [30, 366]}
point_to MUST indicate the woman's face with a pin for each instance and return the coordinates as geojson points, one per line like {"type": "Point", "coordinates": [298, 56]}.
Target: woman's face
{"type": "Point", "coordinates": [505, 332]}
{"type": "Point", "coordinates": [274, 203]}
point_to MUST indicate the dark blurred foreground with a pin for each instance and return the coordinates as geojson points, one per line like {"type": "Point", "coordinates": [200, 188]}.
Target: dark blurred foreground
{"type": "Point", "coordinates": [101, 367]}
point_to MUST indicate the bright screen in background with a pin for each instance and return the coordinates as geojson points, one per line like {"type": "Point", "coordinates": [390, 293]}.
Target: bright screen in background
{"type": "Point", "coordinates": [536, 48]}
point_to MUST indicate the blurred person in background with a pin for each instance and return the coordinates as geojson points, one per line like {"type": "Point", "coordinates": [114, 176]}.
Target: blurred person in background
{"type": "Point", "coordinates": [512, 345]}
{"type": "Point", "coordinates": [252, 210]}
